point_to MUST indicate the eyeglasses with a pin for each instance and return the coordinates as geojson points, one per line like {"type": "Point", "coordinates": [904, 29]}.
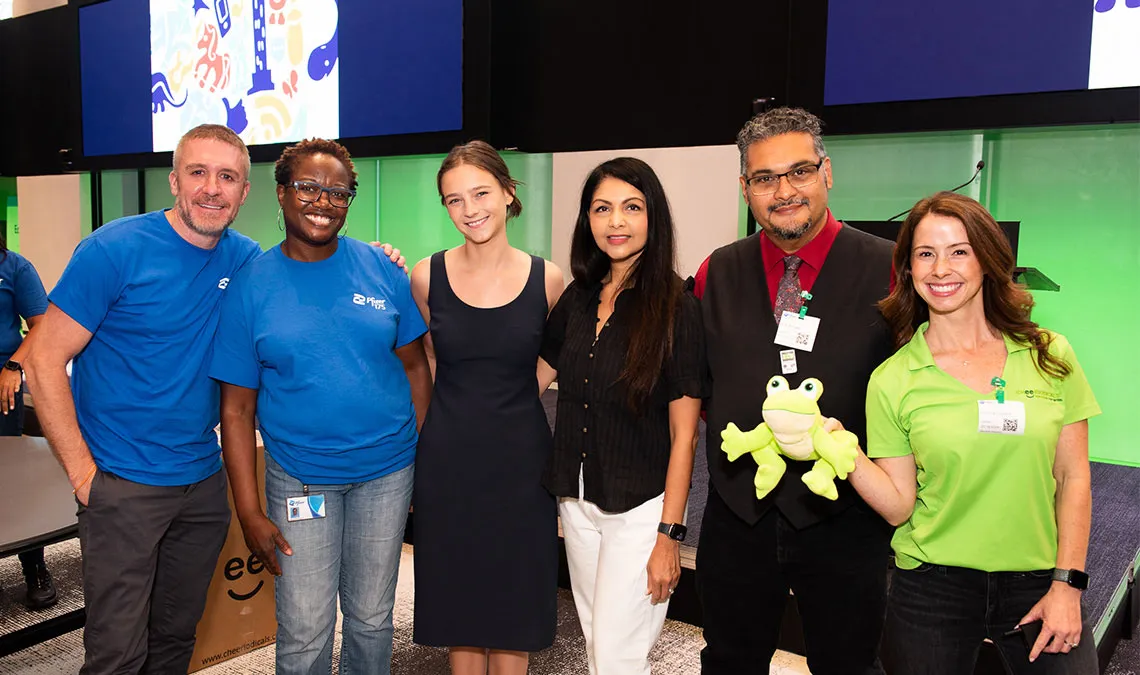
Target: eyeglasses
{"type": "Point", "coordinates": [799, 177]}
{"type": "Point", "coordinates": [310, 192]}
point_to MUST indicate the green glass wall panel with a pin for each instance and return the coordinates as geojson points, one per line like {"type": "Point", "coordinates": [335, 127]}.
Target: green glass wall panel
{"type": "Point", "coordinates": [531, 231]}
{"type": "Point", "coordinates": [1076, 192]}
{"type": "Point", "coordinates": [11, 211]}
{"type": "Point", "coordinates": [879, 176]}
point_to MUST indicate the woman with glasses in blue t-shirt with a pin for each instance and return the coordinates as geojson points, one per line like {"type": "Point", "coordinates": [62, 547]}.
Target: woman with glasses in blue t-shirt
{"type": "Point", "coordinates": [321, 343]}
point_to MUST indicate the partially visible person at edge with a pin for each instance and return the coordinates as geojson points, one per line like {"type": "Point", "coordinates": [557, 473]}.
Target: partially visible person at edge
{"type": "Point", "coordinates": [22, 296]}
{"type": "Point", "coordinates": [832, 554]}
{"type": "Point", "coordinates": [486, 529]}
{"type": "Point", "coordinates": [627, 345]}
{"type": "Point", "coordinates": [320, 344]}
{"type": "Point", "coordinates": [979, 430]}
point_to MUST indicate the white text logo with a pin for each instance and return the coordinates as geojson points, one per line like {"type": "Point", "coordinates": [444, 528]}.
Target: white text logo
{"type": "Point", "coordinates": [376, 303]}
{"type": "Point", "coordinates": [223, 282]}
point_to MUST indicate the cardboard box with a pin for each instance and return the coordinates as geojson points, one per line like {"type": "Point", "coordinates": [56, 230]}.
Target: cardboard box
{"type": "Point", "coordinates": [240, 612]}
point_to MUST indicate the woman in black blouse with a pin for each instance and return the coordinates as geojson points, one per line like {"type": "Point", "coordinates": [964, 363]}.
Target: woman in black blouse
{"type": "Point", "coordinates": [627, 345]}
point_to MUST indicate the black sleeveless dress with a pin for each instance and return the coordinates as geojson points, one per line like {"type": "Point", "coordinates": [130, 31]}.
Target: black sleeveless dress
{"type": "Point", "coordinates": [485, 530]}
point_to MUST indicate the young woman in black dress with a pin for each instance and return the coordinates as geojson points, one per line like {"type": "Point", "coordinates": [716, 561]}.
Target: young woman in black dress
{"type": "Point", "coordinates": [486, 560]}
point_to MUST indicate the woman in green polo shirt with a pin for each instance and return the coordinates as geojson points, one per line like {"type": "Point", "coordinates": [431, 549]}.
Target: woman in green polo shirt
{"type": "Point", "coordinates": [979, 433]}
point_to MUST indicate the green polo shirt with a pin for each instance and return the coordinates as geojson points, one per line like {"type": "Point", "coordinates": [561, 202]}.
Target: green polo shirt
{"type": "Point", "coordinates": [985, 501]}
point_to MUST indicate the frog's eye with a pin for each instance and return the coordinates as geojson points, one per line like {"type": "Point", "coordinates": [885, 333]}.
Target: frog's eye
{"type": "Point", "coordinates": [812, 388]}
{"type": "Point", "coordinates": [777, 383]}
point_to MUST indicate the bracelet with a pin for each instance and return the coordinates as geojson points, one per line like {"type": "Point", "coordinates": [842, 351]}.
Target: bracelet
{"type": "Point", "coordinates": [90, 475]}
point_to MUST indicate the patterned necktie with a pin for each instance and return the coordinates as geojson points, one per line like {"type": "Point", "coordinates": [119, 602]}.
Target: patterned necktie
{"type": "Point", "coordinates": [788, 295]}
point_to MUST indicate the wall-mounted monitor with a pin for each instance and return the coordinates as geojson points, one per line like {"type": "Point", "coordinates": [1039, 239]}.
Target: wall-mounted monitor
{"type": "Point", "coordinates": [274, 71]}
{"type": "Point", "coordinates": [870, 66]}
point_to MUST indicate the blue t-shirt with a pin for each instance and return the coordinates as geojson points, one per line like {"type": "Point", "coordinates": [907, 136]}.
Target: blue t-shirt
{"type": "Point", "coordinates": [317, 340]}
{"type": "Point", "coordinates": [145, 402]}
{"type": "Point", "coordinates": [21, 295]}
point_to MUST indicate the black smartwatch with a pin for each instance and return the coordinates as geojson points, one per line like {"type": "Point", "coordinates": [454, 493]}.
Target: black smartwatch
{"type": "Point", "coordinates": [1075, 578]}
{"type": "Point", "coordinates": [674, 531]}
{"type": "Point", "coordinates": [14, 365]}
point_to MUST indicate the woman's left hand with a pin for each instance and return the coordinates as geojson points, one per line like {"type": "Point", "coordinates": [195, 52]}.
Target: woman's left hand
{"type": "Point", "coordinates": [664, 569]}
{"type": "Point", "coordinates": [10, 381]}
{"type": "Point", "coordinates": [1060, 614]}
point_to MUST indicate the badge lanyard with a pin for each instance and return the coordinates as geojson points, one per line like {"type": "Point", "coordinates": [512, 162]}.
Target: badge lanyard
{"type": "Point", "coordinates": [796, 331]}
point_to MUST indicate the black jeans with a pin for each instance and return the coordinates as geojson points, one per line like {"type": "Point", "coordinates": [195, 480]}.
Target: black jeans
{"type": "Point", "coordinates": [937, 617]}
{"type": "Point", "coordinates": [149, 553]}
{"type": "Point", "coordinates": [837, 569]}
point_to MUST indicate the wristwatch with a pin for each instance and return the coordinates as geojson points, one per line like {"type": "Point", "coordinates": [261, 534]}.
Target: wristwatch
{"type": "Point", "coordinates": [1075, 578]}
{"type": "Point", "coordinates": [13, 365]}
{"type": "Point", "coordinates": [675, 531]}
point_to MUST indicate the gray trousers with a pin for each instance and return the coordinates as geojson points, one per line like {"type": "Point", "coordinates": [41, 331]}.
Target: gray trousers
{"type": "Point", "coordinates": [149, 553]}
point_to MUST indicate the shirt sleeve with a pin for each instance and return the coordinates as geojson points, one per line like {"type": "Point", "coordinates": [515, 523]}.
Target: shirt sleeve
{"type": "Point", "coordinates": [886, 435]}
{"type": "Point", "coordinates": [89, 286]}
{"type": "Point", "coordinates": [1080, 404]}
{"type": "Point", "coordinates": [554, 335]}
{"type": "Point", "coordinates": [686, 369]}
{"type": "Point", "coordinates": [411, 324]}
{"type": "Point", "coordinates": [31, 299]}
{"type": "Point", "coordinates": [700, 279]}
{"type": "Point", "coordinates": [234, 359]}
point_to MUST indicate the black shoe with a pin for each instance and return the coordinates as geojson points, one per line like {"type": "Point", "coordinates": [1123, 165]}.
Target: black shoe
{"type": "Point", "coordinates": [41, 590]}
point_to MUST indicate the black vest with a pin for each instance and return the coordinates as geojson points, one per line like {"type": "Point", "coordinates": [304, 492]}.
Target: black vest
{"type": "Point", "coordinates": [853, 340]}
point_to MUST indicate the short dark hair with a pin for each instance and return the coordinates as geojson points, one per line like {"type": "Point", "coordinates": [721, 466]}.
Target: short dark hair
{"type": "Point", "coordinates": [287, 162]}
{"type": "Point", "coordinates": [778, 122]}
{"type": "Point", "coordinates": [482, 155]}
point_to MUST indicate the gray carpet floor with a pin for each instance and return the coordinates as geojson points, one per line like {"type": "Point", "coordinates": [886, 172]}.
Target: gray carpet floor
{"type": "Point", "coordinates": [677, 651]}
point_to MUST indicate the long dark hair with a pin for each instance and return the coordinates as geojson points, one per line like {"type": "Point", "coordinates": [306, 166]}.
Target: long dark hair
{"type": "Point", "coordinates": [654, 305]}
{"type": "Point", "coordinates": [1007, 305]}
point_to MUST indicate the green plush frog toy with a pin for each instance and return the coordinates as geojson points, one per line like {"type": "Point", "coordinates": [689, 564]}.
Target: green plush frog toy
{"type": "Point", "coordinates": [793, 427]}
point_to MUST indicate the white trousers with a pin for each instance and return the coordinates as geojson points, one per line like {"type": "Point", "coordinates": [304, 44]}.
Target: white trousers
{"type": "Point", "coordinates": [607, 554]}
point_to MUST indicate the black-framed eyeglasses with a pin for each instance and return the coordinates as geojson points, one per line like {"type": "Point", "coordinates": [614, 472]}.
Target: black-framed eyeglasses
{"type": "Point", "coordinates": [310, 192]}
{"type": "Point", "coordinates": [799, 177]}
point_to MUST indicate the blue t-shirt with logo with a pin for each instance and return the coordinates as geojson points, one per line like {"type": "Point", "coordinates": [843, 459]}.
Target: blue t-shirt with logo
{"type": "Point", "coordinates": [318, 340]}
{"type": "Point", "coordinates": [21, 295]}
{"type": "Point", "coordinates": [144, 399]}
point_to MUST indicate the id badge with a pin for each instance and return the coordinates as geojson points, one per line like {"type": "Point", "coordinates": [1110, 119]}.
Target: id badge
{"type": "Point", "coordinates": [788, 361]}
{"type": "Point", "coordinates": [1001, 418]}
{"type": "Point", "coordinates": [797, 332]}
{"type": "Point", "coordinates": [307, 507]}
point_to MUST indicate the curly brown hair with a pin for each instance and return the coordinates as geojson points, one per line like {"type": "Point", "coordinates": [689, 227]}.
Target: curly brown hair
{"type": "Point", "coordinates": [287, 162]}
{"type": "Point", "coordinates": [1007, 305]}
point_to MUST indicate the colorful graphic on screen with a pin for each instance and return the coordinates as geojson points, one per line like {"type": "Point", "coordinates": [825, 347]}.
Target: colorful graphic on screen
{"type": "Point", "coordinates": [268, 69]}
{"type": "Point", "coordinates": [1115, 44]}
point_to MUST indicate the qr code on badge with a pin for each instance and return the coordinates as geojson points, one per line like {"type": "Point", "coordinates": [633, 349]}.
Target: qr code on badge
{"type": "Point", "coordinates": [1008, 425]}
{"type": "Point", "coordinates": [801, 339]}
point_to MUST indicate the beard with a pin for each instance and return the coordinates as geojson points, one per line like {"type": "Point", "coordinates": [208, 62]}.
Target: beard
{"type": "Point", "coordinates": [200, 228]}
{"type": "Point", "coordinates": [795, 231]}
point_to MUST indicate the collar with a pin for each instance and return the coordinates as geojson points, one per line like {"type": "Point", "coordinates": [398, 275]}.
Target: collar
{"type": "Point", "coordinates": [919, 356]}
{"type": "Point", "coordinates": [813, 253]}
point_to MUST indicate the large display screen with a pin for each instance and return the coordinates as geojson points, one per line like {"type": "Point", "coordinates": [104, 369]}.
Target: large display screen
{"type": "Point", "coordinates": [894, 51]}
{"type": "Point", "coordinates": [274, 71]}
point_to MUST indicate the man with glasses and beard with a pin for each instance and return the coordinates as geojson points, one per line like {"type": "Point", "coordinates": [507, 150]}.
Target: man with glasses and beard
{"type": "Point", "coordinates": [831, 554]}
{"type": "Point", "coordinates": [134, 428]}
